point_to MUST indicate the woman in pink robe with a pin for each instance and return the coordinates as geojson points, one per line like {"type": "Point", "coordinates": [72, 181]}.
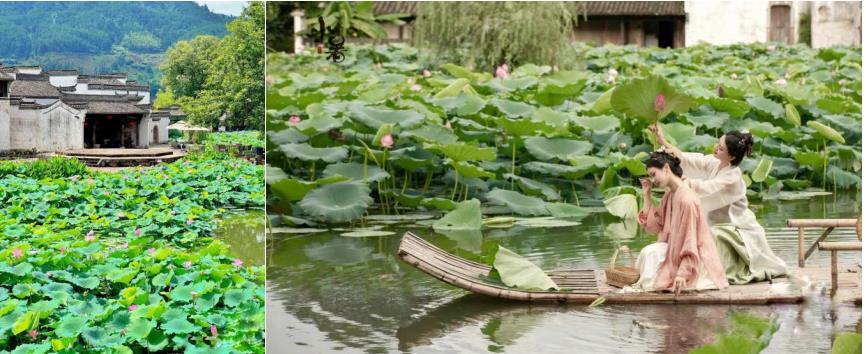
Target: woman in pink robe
{"type": "Point", "coordinates": [684, 256]}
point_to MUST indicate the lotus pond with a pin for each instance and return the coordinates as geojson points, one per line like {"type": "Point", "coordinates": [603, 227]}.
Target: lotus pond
{"type": "Point", "coordinates": [127, 262]}
{"type": "Point", "coordinates": [328, 292]}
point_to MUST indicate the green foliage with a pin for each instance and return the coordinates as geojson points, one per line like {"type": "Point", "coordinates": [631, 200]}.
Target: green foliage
{"type": "Point", "coordinates": [55, 167]}
{"type": "Point", "coordinates": [481, 134]}
{"type": "Point", "coordinates": [355, 18]}
{"type": "Point", "coordinates": [142, 42]}
{"type": "Point", "coordinates": [484, 35]}
{"type": "Point", "coordinates": [124, 262]}
{"type": "Point", "coordinates": [246, 137]}
{"type": "Point", "coordinates": [226, 78]}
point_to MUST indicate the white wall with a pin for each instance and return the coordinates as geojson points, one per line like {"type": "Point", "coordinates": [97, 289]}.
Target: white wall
{"type": "Point", "coordinates": [81, 89]}
{"type": "Point", "coordinates": [144, 135]}
{"type": "Point", "coordinates": [836, 22]}
{"type": "Point", "coordinates": [726, 22]}
{"type": "Point", "coordinates": [62, 128]}
{"type": "Point", "coordinates": [25, 129]}
{"type": "Point", "coordinates": [31, 71]}
{"type": "Point", "coordinates": [63, 80]}
{"type": "Point", "coordinates": [5, 107]}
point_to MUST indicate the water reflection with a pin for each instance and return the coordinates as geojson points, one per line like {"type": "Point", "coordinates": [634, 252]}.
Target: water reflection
{"type": "Point", "coordinates": [330, 293]}
{"type": "Point", "coordinates": [244, 233]}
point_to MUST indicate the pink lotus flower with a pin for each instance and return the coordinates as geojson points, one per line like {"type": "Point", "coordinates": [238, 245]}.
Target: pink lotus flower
{"type": "Point", "coordinates": [17, 253]}
{"type": "Point", "coordinates": [502, 71]}
{"type": "Point", "coordinates": [137, 232]}
{"type": "Point", "coordinates": [33, 333]}
{"type": "Point", "coordinates": [62, 250]}
{"type": "Point", "coordinates": [415, 87]}
{"type": "Point", "coordinates": [187, 264]}
{"type": "Point", "coordinates": [189, 222]}
{"type": "Point", "coordinates": [33, 252]}
{"type": "Point", "coordinates": [427, 73]}
{"type": "Point", "coordinates": [294, 120]}
{"type": "Point", "coordinates": [213, 330]}
{"type": "Point", "coordinates": [448, 125]}
{"type": "Point", "coordinates": [387, 141]}
{"type": "Point", "coordinates": [89, 238]}
{"type": "Point", "coordinates": [121, 215]}
{"type": "Point", "coordinates": [660, 103]}
{"type": "Point", "coordinates": [237, 262]}
{"type": "Point", "coordinates": [151, 250]}
{"type": "Point", "coordinates": [133, 307]}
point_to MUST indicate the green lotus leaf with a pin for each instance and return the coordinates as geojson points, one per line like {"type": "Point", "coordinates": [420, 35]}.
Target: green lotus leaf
{"type": "Point", "coordinates": [338, 202]}
{"type": "Point", "coordinates": [531, 70]}
{"type": "Point", "coordinates": [525, 127]}
{"type": "Point", "coordinates": [623, 206]}
{"type": "Point", "coordinates": [308, 153]}
{"type": "Point", "coordinates": [555, 89]}
{"type": "Point", "coordinates": [179, 326]}
{"type": "Point", "coordinates": [139, 328]}
{"type": "Point", "coordinates": [565, 210]}
{"type": "Point", "coordinates": [598, 124]}
{"type": "Point", "coordinates": [466, 216]}
{"type": "Point", "coordinates": [678, 133]}
{"type": "Point", "coordinates": [438, 203]}
{"type": "Point", "coordinates": [842, 178]}
{"type": "Point", "coordinates": [315, 125]}
{"type": "Point", "coordinates": [286, 136]}
{"type": "Point", "coordinates": [375, 117]}
{"type": "Point", "coordinates": [845, 123]}
{"type": "Point", "coordinates": [463, 104]}
{"type": "Point", "coordinates": [637, 98]}
{"type": "Point", "coordinates": [602, 103]}
{"type": "Point", "coordinates": [432, 134]}
{"type": "Point", "coordinates": [453, 89]}
{"type": "Point", "coordinates": [709, 120]}
{"type": "Point", "coordinates": [469, 170]}
{"type": "Point", "coordinates": [826, 132]}
{"type": "Point", "coordinates": [762, 171]}
{"type": "Point", "coordinates": [545, 149]}
{"type": "Point", "coordinates": [838, 105]}
{"type": "Point", "coordinates": [463, 152]}
{"type": "Point", "coordinates": [513, 84]}
{"type": "Point", "coordinates": [767, 106]}
{"type": "Point", "coordinates": [736, 108]}
{"type": "Point", "coordinates": [519, 272]}
{"type": "Point", "coordinates": [96, 337]}
{"type": "Point", "coordinates": [533, 187]}
{"type": "Point", "coordinates": [552, 169]}
{"type": "Point", "coordinates": [553, 118]}
{"type": "Point", "coordinates": [355, 171]}
{"type": "Point", "coordinates": [414, 159]}
{"type": "Point", "coordinates": [796, 184]}
{"type": "Point", "coordinates": [289, 189]}
{"type": "Point", "coordinates": [518, 203]}
{"type": "Point", "coordinates": [513, 109]}
{"type": "Point", "coordinates": [156, 341]}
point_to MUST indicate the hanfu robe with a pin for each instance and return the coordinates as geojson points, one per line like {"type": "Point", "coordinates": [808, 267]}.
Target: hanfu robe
{"type": "Point", "coordinates": [685, 246]}
{"type": "Point", "coordinates": [741, 240]}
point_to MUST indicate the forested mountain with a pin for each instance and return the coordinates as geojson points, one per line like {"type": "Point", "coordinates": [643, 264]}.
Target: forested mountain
{"type": "Point", "coordinates": [101, 36]}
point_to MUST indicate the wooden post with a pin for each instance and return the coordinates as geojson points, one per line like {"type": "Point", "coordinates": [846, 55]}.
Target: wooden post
{"type": "Point", "coordinates": [800, 241]}
{"type": "Point", "coordinates": [834, 276]}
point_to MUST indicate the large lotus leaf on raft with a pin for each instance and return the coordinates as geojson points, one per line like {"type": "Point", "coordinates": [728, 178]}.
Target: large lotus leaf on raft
{"type": "Point", "coordinates": [518, 203]}
{"type": "Point", "coordinates": [308, 153]}
{"type": "Point", "coordinates": [466, 216]}
{"type": "Point", "coordinates": [637, 98]}
{"type": "Point", "coordinates": [338, 202]}
{"type": "Point", "coordinates": [355, 171]}
{"type": "Point", "coordinates": [545, 149]}
{"type": "Point", "coordinates": [519, 272]}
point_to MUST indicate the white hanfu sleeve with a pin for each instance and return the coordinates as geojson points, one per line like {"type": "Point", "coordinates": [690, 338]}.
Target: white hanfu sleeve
{"type": "Point", "coordinates": [721, 190]}
{"type": "Point", "coordinates": [697, 165]}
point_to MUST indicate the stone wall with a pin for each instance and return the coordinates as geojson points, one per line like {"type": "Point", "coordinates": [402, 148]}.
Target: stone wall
{"type": "Point", "coordinates": [836, 22]}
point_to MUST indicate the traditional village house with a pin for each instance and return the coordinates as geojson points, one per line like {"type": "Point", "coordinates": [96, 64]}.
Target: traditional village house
{"type": "Point", "coordinates": [62, 109]}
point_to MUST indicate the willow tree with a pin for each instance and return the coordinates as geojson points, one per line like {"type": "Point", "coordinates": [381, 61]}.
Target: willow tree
{"type": "Point", "coordinates": [485, 35]}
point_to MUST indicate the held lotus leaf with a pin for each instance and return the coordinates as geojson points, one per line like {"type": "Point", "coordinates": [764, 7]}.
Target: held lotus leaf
{"type": "Point", "coordinates": [338, 202]}
{"type": "Point", "coordinates": [637, 98]}
{"type": "Point", "coordinates": [519, 272]}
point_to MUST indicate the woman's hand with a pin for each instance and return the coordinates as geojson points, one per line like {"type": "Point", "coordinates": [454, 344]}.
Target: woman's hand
{"type": "Point", "coordinates": [646, 185]}
{"type": "Point", "coordinates": [679, 284]}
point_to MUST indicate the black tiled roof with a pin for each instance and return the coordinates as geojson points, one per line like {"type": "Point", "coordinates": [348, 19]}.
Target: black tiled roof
{"type": "Point", "coordinates": [33, 89]}
{"type": "Point", "coordinates": [592, 8]}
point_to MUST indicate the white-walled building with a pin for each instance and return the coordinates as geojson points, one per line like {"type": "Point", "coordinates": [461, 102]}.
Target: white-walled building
{"type": "Point", "coordinates": [60, 110]}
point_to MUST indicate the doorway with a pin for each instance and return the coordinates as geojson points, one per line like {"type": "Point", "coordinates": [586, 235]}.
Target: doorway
{"type": "Point", "coordinates": [780, 24]}
{"type": "Point", "coordinates": [156, 135]}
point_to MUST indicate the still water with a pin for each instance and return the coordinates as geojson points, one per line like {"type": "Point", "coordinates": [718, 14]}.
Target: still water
{"type": "Point", "coordinates": [244, 233]}
{"type": "Point", "coordinates": [328, 293]}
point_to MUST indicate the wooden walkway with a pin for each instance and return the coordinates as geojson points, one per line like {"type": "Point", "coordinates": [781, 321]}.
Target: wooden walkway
{"type": "Point", "coordinates": [587, 285]}
{"type": "Point", "coordinates": [124, 157]}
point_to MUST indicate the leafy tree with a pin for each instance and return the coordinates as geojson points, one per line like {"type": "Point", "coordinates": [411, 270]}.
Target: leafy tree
{"type": "Point", "coordinates": [234, 84]}
{"type": "Point", "coordinates": [187, 64]}
{"type": "Point", "coordinates": [164, 98]}
{"type": "Point", "coordinates": [484, 35]}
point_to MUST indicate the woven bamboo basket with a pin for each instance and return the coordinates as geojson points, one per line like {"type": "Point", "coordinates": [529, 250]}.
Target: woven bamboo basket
{"type": "Point", "coordinates": [620, 276]}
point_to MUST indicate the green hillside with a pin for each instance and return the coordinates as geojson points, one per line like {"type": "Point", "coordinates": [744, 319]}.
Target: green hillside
{"type": "Point", "coordinates": [100, 37]}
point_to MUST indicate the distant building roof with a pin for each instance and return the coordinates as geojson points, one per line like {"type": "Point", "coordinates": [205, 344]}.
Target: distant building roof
{"type": "Point", "coordinates": [102, 107]}
{"type": "Point", "coordinates": [33, 89]}
{"type": "Point", "coordinates": [69, 72]}
{"type": "Point", "coordinates": [593, 8]}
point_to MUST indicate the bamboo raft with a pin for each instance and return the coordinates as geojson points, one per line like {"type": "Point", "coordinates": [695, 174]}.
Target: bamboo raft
{"type": "Point", "coordinates": [586, 285]}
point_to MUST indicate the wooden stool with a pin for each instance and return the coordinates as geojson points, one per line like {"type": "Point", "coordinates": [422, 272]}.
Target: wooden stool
{"type": "Point", "coordinates": [835, 247]}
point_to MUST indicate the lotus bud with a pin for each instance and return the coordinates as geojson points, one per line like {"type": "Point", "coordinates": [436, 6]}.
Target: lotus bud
{"type": "Point", "coordinates": [721, 91]}
{"type": "Point", "coordinates": [660, 103]}
{"type": "Point", "coordinates": [387, 141]}
{"type": "Point", "coordinates": [427, 73]}
{"type": "Point", "coordinates": [294, 120]}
